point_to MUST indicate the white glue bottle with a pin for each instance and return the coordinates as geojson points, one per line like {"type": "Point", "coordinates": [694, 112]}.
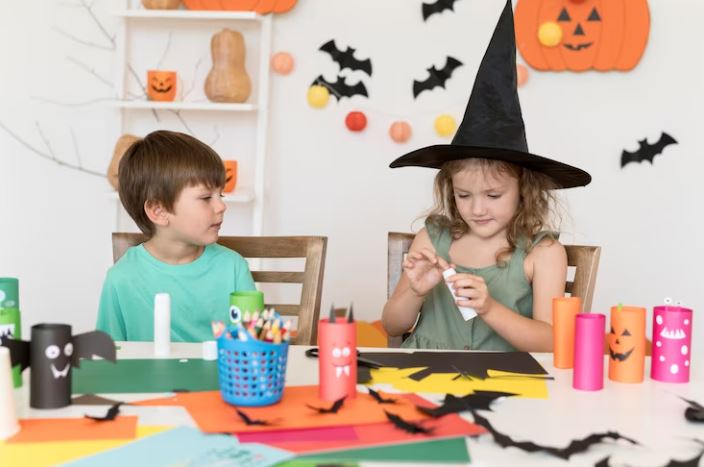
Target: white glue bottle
{"type": "Point", "coordinates": [467, 312]}
{"type": "Point", "coordinates": [162, 325]}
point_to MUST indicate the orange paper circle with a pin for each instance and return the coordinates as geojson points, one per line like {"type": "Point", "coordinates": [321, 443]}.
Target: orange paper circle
{"type": "Point", "coordinates": [521, 74]}
{"type": "Point", "coordinates": [282, 63]}
{"type": "Point", "coordinates": [400, 132]}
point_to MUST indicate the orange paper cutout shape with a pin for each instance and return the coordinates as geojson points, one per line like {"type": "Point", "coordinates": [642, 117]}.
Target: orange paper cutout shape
{"type": "Point", "coordinates": [213, 415]}
{"type": "Point", "coordinates": [597, 35]}
{"type": "Point", "coordinates": [74, 429]}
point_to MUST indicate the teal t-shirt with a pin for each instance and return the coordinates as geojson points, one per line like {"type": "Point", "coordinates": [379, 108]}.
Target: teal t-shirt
{"type": "Point", "coordinates": [200, 293]}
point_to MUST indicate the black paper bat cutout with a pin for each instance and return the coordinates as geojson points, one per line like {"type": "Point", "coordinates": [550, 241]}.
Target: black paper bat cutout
{"type": "Point", "coordinates": [429, 9]}
{"type": "Point", "coordinates": [334, 408]}
{"type": "Point", "coordinates": [406, 426]}
{"type": "Point", "coordinates": [340, 88]}
{"type": "Point", "coordinates": [437, 77]}
{"type": "Point", "coordinates": [377, 397]}
{"type": "Point", "coordinates": [693, 462]}
{"type": "Point", "coordinates": [109, 415]}
{"type": "Point", "coordinates": [695, 411]}
{"type": "Point", "coordinates": [576, 446]}
{"type": "Point", "coordinates": [647, 151]}
{"type": "Point", "coordinates": [478, 400]}
{"type": "Point", "coordinates": [251, 422]}
{"type": "Point", "coordinates": [346, 58]}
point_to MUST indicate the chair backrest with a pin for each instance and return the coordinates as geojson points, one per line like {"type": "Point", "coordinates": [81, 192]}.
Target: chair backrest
{"type": "Point", "coordinates": [311, 278]}
{"type": "Point", "coordinates": [584, 259]}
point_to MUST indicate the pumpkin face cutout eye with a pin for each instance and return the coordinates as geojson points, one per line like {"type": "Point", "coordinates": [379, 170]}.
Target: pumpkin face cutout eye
{"type": "Point", "coordinates": [161, 85]}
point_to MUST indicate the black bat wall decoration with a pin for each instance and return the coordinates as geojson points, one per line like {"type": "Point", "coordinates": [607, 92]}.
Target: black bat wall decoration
{"type": "Point", "coordinates": [576, 446]}
{"type": "Point", "coordinates": [51, 353]}
{"type": "Point", "coordinates": [437, 77]}
{"type": "Point", "coordinates": [334, 408]}
{"type": "Point", "coordinates": [340, 88]}
{"type": "Point", "coordinates": [429, 9]}
{"type": "Point", "coordinates": [346, 58]}
{"type": "Point", "coordinates": [647, 151]}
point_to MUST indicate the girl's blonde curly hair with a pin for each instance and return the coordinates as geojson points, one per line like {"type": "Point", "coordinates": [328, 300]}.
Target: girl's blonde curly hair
{"type": "Point", "coordinates": [537, 206]}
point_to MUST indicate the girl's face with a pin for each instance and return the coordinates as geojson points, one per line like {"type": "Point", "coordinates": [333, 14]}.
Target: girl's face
{"type": "Point", "coordinates": [487, 200]}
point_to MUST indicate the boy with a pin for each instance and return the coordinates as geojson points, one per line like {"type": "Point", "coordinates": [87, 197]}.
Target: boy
{"type": "Point", "coordinates": [170, 184]}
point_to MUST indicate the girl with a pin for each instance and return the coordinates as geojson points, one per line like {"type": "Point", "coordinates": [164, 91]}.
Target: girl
{"type": "Point", "coordinates": [489, 223]}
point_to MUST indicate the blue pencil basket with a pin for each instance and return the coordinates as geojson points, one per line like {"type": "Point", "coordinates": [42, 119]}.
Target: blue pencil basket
{"type": "Point", "coordinates": [252, 372]}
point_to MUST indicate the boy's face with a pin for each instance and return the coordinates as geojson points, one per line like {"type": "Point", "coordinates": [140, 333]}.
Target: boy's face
{"type": "Point", "coordinates": [197, 215]}
{"type": "Point", "coordinates": [487, 201]}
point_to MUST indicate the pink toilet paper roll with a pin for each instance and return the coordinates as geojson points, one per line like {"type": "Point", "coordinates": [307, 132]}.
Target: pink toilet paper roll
{"type": "Point", "coordinates": [589, 352]}
{"type": "Point", "coordinates": [672, 344]}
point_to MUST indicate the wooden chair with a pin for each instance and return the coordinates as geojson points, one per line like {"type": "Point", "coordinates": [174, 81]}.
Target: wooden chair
{"type": "Point", "coordinates": [584, 259]}
{"type": "Point", "coordinates": [311, 278]}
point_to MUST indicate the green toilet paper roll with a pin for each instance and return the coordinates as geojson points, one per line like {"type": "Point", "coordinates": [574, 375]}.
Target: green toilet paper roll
{"type": "Point", "coordinates": [9, 292]}
{"type": "Point", "coordinates": [10, 326]}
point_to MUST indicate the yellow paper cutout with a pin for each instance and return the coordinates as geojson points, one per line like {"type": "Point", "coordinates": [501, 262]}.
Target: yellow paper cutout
{"type": "Point", "coordinates": [521, 384]}
{"type": "Point", "coordinates": [58, 452]}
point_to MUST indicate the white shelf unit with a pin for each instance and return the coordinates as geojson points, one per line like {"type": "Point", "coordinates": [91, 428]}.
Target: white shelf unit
{"type": "Point", "coordinates": [254, 194]}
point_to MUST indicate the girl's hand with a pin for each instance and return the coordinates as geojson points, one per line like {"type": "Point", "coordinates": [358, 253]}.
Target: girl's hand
{"type": "Point", "coordinates": [424, 270]}
{"type": "Point", "coordinates": [471, 291]}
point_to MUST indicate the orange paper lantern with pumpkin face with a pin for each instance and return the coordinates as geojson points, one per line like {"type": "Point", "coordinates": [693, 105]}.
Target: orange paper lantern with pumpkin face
{"type": "Point", "coordinates": [596, 34]}
{"type": "Point", "coordinates": [626, 343]}
{"type": "Point", "coordinates": [161, 85]}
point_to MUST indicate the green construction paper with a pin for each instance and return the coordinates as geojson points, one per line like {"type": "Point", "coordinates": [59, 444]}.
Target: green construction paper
{"type": "Point", "coordinates": [142, 375]}
{"type": "Point", "coordinates": [452, 450]}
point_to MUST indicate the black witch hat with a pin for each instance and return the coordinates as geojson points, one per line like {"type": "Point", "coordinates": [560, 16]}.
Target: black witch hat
{"type": "Point", "coordinates": [492, 127]}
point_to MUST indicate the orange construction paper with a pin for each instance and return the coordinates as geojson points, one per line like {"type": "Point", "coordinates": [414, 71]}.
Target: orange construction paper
{"type": "Point", "coordinates": [449, 426]}
{"type": "Point", "coordinates": [213, 415]}
{"type": "Point", "coordinates": [74, 429]}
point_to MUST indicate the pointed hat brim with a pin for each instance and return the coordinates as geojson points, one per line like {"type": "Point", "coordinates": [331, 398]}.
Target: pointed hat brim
{"type": "Point", "coordinates": [564, 175]}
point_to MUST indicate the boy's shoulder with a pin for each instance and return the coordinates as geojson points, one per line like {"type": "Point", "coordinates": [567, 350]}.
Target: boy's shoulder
{"type": "Point", "coordinates": [219, 251]}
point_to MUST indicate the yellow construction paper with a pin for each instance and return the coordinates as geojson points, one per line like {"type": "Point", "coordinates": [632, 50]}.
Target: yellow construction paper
{"type": "Point", "coordinates": [521, 384]}
{"type": "Point", "coordinates": [58, 452]}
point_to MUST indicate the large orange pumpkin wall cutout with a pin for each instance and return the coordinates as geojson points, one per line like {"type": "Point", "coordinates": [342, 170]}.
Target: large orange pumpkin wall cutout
{"type": "Point", "coordinates": [579, 35]}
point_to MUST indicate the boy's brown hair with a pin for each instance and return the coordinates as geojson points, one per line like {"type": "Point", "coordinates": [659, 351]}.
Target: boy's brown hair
{"type": "Point", "coordinates": [157, 167]}
{"type": "Point", "coordinates": [537, 207]}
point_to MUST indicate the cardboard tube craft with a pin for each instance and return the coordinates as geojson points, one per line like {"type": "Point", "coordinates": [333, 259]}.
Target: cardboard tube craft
{"type": "Point", "coordinates": [337, 359]}
{"type": "Point", "coordinates": [51, 353]}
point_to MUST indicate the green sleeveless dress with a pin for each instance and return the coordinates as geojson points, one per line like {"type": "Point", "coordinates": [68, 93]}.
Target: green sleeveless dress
{"type": "Point", "coordinates": [441, 326]}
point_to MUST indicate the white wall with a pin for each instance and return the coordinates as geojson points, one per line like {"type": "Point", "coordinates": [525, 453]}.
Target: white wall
{"type": "Point", "coordinates": [322, 179]}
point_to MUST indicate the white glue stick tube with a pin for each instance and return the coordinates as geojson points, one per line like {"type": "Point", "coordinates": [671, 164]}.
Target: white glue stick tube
{"type": "Point", "coordinates": [162, 325]}
{"type": "Point", "coordinates": [467, 312]}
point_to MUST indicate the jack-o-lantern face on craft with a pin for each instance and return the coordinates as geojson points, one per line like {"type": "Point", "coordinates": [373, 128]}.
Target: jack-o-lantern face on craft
{"type": "Point", "coordinates": [626, 344]}
{"type": "Point", "coordinates": [161, 85]}
{"type": "Point", "coordinates": [578, 35]}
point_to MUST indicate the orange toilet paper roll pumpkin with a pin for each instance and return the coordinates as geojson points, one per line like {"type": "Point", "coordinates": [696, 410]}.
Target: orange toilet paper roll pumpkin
{"type": "Point", "coordinates": [161, 85]}
{"type": "Point", "coordinates": [230, 176]}
{"type": "Point", "coordinates": [626, 342]}
{"type": "Point", "coordinates": [564, 312]}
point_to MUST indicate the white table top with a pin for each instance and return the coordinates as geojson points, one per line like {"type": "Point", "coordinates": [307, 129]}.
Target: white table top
{"type": "Point", "coordinates": [650, 413]}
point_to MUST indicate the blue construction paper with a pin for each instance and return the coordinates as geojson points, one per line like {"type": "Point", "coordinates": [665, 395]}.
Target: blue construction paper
{"type": "Point", "coordinates": [186, 447]}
